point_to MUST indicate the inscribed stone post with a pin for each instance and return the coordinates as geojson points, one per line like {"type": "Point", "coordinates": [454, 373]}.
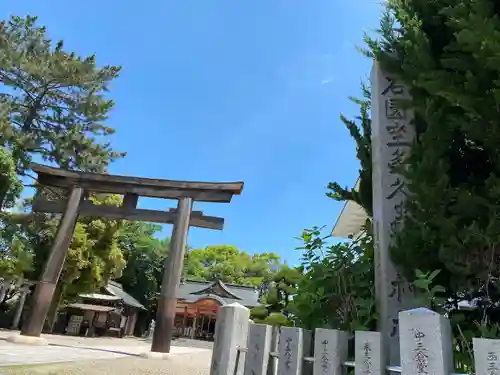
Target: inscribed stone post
{"type": "Point", "coordinates": [231, 331]}
{"type": "Point", "coordinates": [392, 136]}
{"type": "Point", "coordinates": [291, 351]}
{"type": "Point", "coordinates": [330, 351]}
{"type": "Point", "coordinates": [486, 356]}
{"type": "Point", "coordinates": [259, 347]}
{"type": "Point", "coordinates": [426, 343]}
{"type": "Point", "coordinates": [368, 354]}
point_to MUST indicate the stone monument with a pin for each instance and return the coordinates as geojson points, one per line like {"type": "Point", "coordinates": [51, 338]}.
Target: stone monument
{"type": "Point", "coordinates": [392, 136]}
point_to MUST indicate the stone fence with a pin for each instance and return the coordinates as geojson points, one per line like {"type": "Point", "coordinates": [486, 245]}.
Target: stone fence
{"type": "Point", "coordinates": [425, 348]}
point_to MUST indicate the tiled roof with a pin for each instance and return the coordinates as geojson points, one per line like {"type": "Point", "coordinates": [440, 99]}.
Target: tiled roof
{"type": "Point", "coordinates": [99, 296]}
{"type": "Point", "coordinates": [116, 289]}
{"type": "Point", "coordinates": [192, 291]}
{"type": "Point", "coordinates": [90, 307]}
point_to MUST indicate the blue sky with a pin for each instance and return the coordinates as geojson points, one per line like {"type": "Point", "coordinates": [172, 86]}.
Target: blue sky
{"type": "Point", "coordinates": [239, 90]}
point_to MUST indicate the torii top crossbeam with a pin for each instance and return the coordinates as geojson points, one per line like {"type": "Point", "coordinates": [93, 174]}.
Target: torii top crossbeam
{"type": "Point", "coordinates": [132, 188]}
{"type": "Point", "coordinates": [147, 187]}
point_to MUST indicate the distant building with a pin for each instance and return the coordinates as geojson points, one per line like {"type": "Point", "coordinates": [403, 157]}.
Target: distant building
{"type": "Point", "coordinates": [199, 301]}
{"type": "Point", "coordinates": [111, 312]}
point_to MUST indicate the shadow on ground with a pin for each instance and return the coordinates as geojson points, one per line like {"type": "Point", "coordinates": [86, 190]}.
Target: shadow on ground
{"type": "Point", "coordinates": [97, 349]}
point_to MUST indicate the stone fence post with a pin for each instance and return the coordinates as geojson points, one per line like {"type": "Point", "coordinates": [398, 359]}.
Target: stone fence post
{"type": "Point", "coordinates": [425, 343]}
{"type": "Point", "coordinates": [231, 332]}
{"type": "Point", "coordinates": [486, 356]}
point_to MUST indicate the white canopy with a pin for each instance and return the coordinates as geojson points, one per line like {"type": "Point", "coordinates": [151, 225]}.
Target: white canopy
{"type": "Point", "coordinates": [351, 219]}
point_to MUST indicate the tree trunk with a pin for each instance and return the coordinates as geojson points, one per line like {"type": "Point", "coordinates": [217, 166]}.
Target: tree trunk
{"type": "Point", "coordinates": [4, 189]}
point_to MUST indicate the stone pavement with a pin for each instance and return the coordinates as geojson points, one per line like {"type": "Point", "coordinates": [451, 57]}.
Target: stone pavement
{"type": "Point", "coordinates": [68, 348]}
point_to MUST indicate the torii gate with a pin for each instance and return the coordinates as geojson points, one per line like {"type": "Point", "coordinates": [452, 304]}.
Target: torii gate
{"type": "Point", "coordinates": [78, 185]}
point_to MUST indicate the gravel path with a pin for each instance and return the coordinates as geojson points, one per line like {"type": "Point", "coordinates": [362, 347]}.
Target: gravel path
{"type": "Point", "coordinates": [186, 364]}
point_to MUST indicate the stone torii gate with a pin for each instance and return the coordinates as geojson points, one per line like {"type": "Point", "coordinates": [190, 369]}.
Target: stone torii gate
{"type": "Point", "coordinates": [79, 185]}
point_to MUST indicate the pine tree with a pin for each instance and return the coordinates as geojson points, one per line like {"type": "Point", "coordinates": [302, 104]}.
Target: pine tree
{"type": "Point", "coordinates": [55, 100]}
{"type": "Point", "coordinates": [281, 291]}
{"type": "Point", "coordinates": [447, 52]}
{"type": "Point", "coordinates": [362, 136]}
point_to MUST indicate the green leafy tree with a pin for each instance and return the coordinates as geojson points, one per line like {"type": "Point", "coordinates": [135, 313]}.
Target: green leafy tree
{"type": "Point", "coordinates": [145, 259]}
{"type": "Point", "coordinates": [93, 258]}
{"type": "Point", "coordinates": [337, 289]}
{"type": "Point", "coordinates": [13, 257]}
{"type": "Point", "coordinates": [230, 265]}
{"type": "Point", "coordinates": [16, 260]}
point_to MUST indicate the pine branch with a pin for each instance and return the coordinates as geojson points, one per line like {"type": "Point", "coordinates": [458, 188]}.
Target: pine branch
{"type": "Point", "coordinates": [362, 136]}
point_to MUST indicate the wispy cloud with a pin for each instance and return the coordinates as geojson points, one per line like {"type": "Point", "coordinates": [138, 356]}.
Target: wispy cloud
{"type": "Point", "coordinates": [307, 71]}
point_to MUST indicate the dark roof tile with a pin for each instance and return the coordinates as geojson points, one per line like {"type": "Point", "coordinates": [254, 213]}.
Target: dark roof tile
{"type": "Point", "coordinates": [116, 289]}
{"type": "Point", "coordinates": [246, 295]}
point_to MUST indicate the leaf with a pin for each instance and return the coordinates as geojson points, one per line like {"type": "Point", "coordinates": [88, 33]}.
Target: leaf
{"type": "Point", "coordinates": [422, 284]}
{"type": "Point", "coordinates": [419, 274]}
{"type": "Point", "coordinates": [433, 274]}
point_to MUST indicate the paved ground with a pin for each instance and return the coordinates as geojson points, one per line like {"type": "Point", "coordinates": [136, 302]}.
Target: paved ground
{"type": "Point", "coordinates": [187, 364]}
{"type": "Point", "coordinates": [68, 348]}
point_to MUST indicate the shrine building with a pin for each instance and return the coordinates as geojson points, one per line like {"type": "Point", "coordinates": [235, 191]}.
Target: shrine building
{"type": "Point", "coordinates": [199, 301]}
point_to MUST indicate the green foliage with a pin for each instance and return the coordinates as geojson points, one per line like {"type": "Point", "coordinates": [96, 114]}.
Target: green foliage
{"type": "Point", "coordinates": [55, 100]}
{"type": "Point", "coordinates": [283, 287]}
{"type": "Point", "coordinates": [428, 294]}
{"type": "Point", "coordinates": [362, 136]}
{"type": "Point", "coordinates": [230, 265]}
{"type": "Point", "coordinates": [145, 259]}
{"type": "Point", "coordinates": [93, 256]}
{"type": "Point", "coordinates": [53, 105]}
{"type": "Point", "coordinates": [447, 54]}
{"type": "Point", "coordinates": [10, 185]}
{"type": "Point", "coordinates": [15, 260]}
{"type": "Point", "coordinates": [18, 239]}
{"type": "Point", "coordinates": [337, 289]}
